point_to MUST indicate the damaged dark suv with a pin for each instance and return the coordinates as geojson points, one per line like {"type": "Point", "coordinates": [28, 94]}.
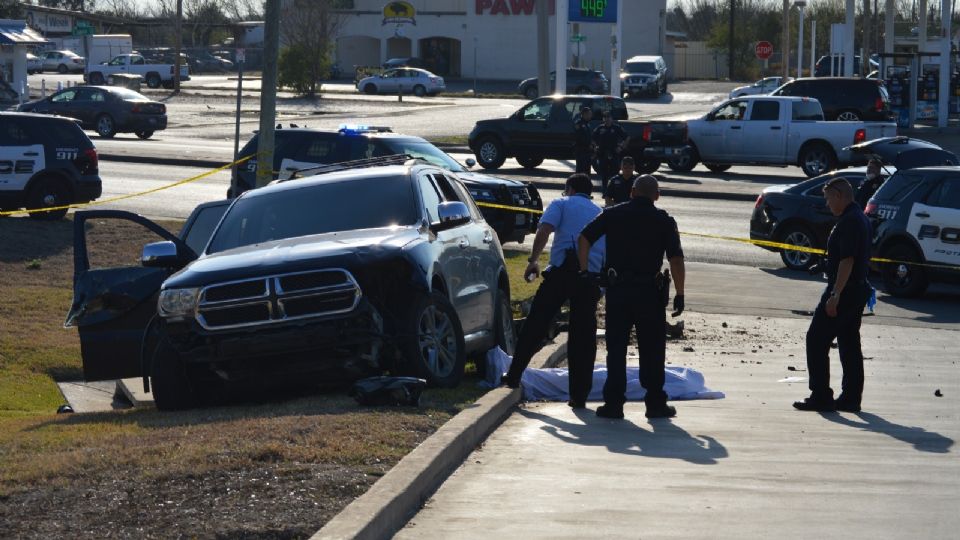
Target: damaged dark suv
{"type": "Point", "coordinates": [326, 278]}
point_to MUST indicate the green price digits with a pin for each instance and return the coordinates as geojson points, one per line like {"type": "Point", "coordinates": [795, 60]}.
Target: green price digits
{"type": "Point", "coordinates": [593, 8]}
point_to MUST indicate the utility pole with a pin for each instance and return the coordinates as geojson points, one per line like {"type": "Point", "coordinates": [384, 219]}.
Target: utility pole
{"type": "Point", "coordinates": [543, 47]}
{"type": "Point", "coordinates": [785, 47]}
{"type": "Point", "coordinates": [733, 5]}
{"type": "Point", "coordinates": [178, 38]}
{"type": "Point", "coordinates": [268, 93]}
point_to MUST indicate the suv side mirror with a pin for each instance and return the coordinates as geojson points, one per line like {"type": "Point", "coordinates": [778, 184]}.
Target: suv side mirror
{"type": "Point", "coordinates": [471, 162]}
{"type": "Point", "coordinates": [161, 255]}
{"type": "Point", "coordinates": [452, 214]}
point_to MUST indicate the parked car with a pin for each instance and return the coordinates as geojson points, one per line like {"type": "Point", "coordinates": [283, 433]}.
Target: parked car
{"type": "Point", "coordinates": [203, 61]}
{"type": "Point", "coordinates": [406, 61]}
{"type": "Point", "coordinates": [774, 130]}
{"type": "Point", "coordinates": [797, 215]}
{"type": "Point", "coordinates": [34, 64]}
{"type": "Point", "coordinates": [579, 81]}
{"type": "Point", "coordinates": [903, 153]}
{"type": "Point", "coordinates": [763, 86]}
{"type": "Point", "coordinates": [62, 61]}
{"type": "Point", "coordinates": [394, 270]}
{"type": "Point", "coordinates": [299, 148]}
{"type": "Point", "coordinates": [543, 129]}
{"type": "Point", "coordinates": [45, 162]}
{"type": "Point", "coordinates": [644, 75]}
{"type": "Point", "coordinates": [916, 221]}
{"type": "Point", "coordinates": [108, 110]}
{"type": "Point", "coordinates": [843, 98]}
{"type": "Point", "coordinates": [419, 82]}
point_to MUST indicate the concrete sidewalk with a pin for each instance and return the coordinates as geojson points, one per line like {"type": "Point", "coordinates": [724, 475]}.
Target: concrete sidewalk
{"type": "Point", "coordinates": [748, 466]}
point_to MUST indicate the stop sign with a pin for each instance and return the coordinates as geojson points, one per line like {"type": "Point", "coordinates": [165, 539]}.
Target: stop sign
{"type": "Point", "coordinates": [764, 49]}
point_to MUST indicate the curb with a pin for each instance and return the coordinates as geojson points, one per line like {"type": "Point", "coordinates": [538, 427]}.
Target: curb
{"type": "Point", "coordinates": [154, 160]}
{"type": "Point", "coordinates": [390, 503]}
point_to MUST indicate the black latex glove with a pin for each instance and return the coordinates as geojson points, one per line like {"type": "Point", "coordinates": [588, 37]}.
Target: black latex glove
{"type": "Point", "coordinates": [677, 305]}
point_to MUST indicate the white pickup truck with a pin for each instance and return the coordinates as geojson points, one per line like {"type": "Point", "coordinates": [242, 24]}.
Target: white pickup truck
{"type": "Point", "coordinates": [774, 130]}
{"type": "Point", "coordinates": [153, 74]}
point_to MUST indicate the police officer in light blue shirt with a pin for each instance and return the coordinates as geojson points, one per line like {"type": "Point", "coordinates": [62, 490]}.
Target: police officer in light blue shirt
{"type": "Point", "coordinates": [564, 218]}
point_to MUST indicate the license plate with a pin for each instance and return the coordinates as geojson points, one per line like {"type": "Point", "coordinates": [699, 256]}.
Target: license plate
{"type": "Point", "coordinates": [521, 219]}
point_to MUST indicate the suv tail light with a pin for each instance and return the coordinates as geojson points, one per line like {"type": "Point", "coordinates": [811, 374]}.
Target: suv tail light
{"type": "Point", "coordinates": [860, 136]}
{"type": "Point", "coordinates": [759, 201]}
{"type": "Point", "coordinates": [135, 108]}
{"type": "Point", "coordinates": [878, 104]}
{"type": "Point", "coordinates": [870, 209]}
{"type": "Point", "coordinates": [87, 162]}
{"type": "Point", "coordinates": [647, 132]}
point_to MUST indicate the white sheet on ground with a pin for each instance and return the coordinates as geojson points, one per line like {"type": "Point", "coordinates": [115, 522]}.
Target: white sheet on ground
{"type": "Point", "coordinates": [552, 384]}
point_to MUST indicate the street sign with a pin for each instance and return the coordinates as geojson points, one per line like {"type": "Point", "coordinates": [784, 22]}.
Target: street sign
{"type": "Point", "coordinates": [764, 50]}
{"type": "Point", "coordinates": [577, 38]}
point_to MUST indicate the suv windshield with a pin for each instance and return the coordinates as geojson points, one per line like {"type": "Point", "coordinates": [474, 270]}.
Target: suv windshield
{"type": "Point", "coordinates": [641, 67]}
{"type": "Point", "coordinates": [425, 151]}
{"type": "Point", "coordinates": [355, 203]}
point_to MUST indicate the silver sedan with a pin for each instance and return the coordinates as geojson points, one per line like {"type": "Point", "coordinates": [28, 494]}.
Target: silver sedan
{"type": "Point", "coordinates": [403, 80]}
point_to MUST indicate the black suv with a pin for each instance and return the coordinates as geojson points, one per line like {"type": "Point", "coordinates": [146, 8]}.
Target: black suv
{"type": "Point", "coordinates": [579, 81]}
{"type": "Point", "coordinates": [327, 278]}
{"type": "Point", "coordinates": [843, 98]}
{"type": "Point", "coordinates": [299, 148]}
{"type": "Point", "coordinates": [916, 219]}
{"type": "Point", "coordinates": [45, 162]}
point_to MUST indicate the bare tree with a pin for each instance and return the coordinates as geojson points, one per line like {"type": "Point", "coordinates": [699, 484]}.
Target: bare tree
{"type": "Point", "coordinates": [309, 28]}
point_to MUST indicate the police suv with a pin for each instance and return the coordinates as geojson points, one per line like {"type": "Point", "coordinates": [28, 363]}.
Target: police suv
{"type": "Point", "coordinates": [45, 162]}
{"type": "Point", "coordinates": [298, 149]}
{"type": "Point", "coordinates": [916, 219]}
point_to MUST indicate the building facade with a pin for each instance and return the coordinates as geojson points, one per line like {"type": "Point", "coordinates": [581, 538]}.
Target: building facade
{"type": "Point", "coordinates": [486, 39]}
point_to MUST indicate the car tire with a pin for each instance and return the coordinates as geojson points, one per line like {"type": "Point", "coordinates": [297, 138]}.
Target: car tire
{"type": "Point", "coordinates": [529, 162]}
{"type": "Point", "coordinates": [169, 383]}
{"type": "Point", "coordinates": [505, 332]}
{"type": "Point", "coordinates": [96, 78]}
{"type": "Point", "coordinates": [369, 89]}
{"type": "Point", "coordinates": [432, 341]}
{"type": "Point", "coordinates": [490, 153]}
{"type": "Point", "coordinates": [685, 163]}
{"type": "Point", "coordinates": [664, 87]}
{"type": "Point", "coordinates": [647, 166]}
{"type": "Point", "coordinates": [106, 127]}
{"type": "Point", "coordinates": [153, 80]}
{"type": "Point", "coordinates": [816, 159]}
{"type": "Point", "coordinates": [531, 92]}
{"type": "Point", "coordinates": [62, 69]}
{"type": "Point", "coordinates": [717, 167]}
{"type": "Point", "coordinates": [901, 279]}
{"type": "Point", "coordinates": [144, 134]}
{"type": "Point", "coordinates": [797, 235]}
{"type": "Point", "coordinates": [848, 116]}
{"type": "Point", "coordinates": [48, 192]}
{"type": "Point", "coordinates": [419, 90]}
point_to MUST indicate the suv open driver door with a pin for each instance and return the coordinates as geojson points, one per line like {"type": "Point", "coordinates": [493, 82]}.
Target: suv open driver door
{"type": "Point", "coordinates": [114, 307]}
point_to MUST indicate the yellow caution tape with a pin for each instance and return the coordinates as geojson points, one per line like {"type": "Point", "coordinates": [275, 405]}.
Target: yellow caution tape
{"type": "Point", "coordinates": [129, 195]}
{"type": "Point", "coordinates": [510, 208]}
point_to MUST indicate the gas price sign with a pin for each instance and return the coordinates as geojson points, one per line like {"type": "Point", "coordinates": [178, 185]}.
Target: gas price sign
{"type": "Point", "coordinates": [604, 11]}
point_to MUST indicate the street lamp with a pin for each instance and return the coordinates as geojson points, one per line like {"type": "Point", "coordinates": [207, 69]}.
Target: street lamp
{"type": "Point", "coordinates": [800, 5]}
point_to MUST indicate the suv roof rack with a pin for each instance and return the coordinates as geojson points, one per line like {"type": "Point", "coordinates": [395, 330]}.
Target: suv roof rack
{"type": "Point", "coordinates": [395, 159]}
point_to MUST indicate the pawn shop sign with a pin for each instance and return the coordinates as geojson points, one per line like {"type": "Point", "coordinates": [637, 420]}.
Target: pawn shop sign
{"type": "Point", "coordinates": [764, 50]}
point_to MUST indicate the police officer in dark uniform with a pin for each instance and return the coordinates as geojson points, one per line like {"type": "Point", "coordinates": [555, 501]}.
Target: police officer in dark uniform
{"type": "Point", "coordinates": [620, 185]}
{"type": "Point", "coordinates": [583, 141]}
{"type": "Point", "coordinates": [610, 139]}
{"type": "Point", "coordinates": [871, 183]}
{"type": "Point", "coordinates": [840, 310]}
{"type": "Point", "coordinates": [638, 234]}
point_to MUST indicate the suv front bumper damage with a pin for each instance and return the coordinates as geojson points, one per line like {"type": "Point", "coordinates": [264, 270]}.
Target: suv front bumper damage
{"type": "Point", "coordinates": [347, 346]}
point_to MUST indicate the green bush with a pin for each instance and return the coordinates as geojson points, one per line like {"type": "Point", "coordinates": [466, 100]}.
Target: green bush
{"type": "Point", "coordinates": [301, 69]}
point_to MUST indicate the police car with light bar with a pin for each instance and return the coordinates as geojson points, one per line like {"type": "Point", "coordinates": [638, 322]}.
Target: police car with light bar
{"type": "Point", "coordinates": [301, 148]}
